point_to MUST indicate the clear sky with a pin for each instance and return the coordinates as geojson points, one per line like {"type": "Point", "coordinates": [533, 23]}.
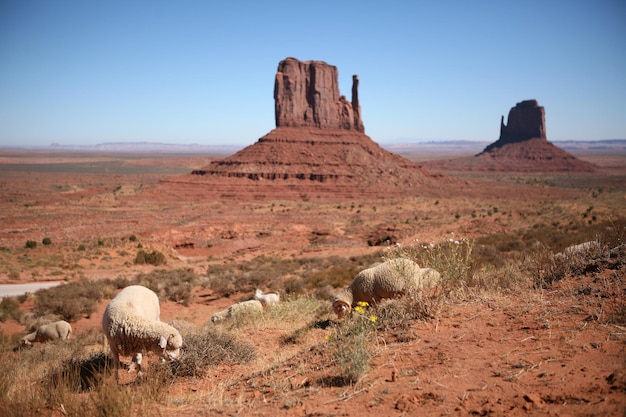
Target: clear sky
{"type": "Point", "coordinates": [87, 72]}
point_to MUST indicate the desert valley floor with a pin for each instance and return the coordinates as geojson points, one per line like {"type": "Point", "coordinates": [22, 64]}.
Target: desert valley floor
{"type": "Point", "coordinates": [501, 345]}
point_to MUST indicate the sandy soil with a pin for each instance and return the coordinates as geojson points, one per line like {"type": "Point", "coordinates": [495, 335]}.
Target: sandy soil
{"type": "Point", "coordinates": [551, 352]}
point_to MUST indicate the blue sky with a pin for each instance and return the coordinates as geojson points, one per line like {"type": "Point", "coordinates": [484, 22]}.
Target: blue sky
{"type": "Point", "coordinates": [88, 72]}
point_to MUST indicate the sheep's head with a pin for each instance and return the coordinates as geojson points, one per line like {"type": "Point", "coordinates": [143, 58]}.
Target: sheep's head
{"type": "Point", "coordinates": [171, 346]}
{"type": "Point", "coordinates": [258, 293]}
{"type": "Point", "coordinates": [341, 308]}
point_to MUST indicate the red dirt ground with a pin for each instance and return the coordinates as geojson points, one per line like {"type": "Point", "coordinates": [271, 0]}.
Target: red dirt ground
{"type": "Point", "coordinates": [546, 353]}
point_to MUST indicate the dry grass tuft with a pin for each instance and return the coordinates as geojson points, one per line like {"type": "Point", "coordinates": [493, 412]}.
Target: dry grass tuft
{"type": "Point", "coordinates": [353, 344]}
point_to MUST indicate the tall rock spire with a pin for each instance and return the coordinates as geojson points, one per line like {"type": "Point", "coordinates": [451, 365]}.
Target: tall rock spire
{"type": "Point", "coordinates": [306, 94]}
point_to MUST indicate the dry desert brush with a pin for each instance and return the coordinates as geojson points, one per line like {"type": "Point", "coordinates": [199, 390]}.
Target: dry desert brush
{"type": "Point", "coordinates": [207, 346]}
{"type": "Point", "coordinates": [452, 258]}
{"type": "Point", "coordinates": [70, 301]}
{"type": "Point", "coordinates": [352, 344]}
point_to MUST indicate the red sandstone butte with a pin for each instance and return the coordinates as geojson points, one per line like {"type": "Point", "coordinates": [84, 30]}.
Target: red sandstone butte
{"type": "Point", "coordinates": [318, 141]}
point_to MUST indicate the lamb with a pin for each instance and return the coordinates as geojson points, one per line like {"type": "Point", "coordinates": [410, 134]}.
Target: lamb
{"type": "Point", "coordinates": [249, 305]}
{"type": "Point", "coordinates": [268, 299]}
{"type": "Point", "coordinates": [132, 326]}
{"type": "Point", "coordinates": [59, 330]}
{"type": "Point", "coordinates": [390, 279]}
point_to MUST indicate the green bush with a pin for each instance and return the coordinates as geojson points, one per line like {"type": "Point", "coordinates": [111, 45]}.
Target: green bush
{"type": "Point", "coordinates": [46, 241]}
{"type": "Point", "coordinates": [30, 244]}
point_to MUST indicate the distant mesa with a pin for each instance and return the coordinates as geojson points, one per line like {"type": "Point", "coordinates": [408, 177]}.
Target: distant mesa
{"type": "Point", "coordinates": [523, 145]}
{"type": "Point", "coordinates": [527, 120]}
{"type": "Point", "coordinates": [319, 139]}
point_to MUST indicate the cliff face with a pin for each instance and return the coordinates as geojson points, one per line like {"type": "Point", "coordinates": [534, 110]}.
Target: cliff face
{"type": "Point", "coordinates": [306, 94]}
{"type": "Point", "coordinates": [526, 120]}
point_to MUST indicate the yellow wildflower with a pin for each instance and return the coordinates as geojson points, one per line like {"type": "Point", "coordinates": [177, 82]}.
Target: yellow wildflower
{"type": "Point", "coordinates": [373, 319]}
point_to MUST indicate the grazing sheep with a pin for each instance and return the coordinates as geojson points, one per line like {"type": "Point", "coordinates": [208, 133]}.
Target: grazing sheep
{"type": "Point", "coordinates": [250, 305]}
{"type": "Point", "coordinates": [592, 247]}
{"type": "Point", "coordinates": [387, 280]}
{"type": "Point", "coordinates": [59, 330]}
{"type": "Point", "coordinates": [268, 299]}
{"type": "Point", "coordinates": [132, 326]}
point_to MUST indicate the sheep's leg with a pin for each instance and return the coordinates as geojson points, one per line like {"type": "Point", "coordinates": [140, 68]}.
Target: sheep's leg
{"type": "Point", "coordinates": [116, 361]}
{"type": "Point", "coordinates": [136, 363]}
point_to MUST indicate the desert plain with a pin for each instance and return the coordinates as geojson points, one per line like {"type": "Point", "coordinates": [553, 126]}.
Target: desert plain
{"type": "Point", "coordinates": [506, 343]}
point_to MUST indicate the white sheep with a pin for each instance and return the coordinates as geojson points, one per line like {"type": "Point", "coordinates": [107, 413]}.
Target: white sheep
{"type": "Point", "coordinates": [59, 330]}
{"type": "Point", "coordinates": [243, 306]}
{"type": "Point", "coordinates": [390, 279]}
{"type": "Point", "coordinates": [268, 299]}
{"type": "Point", "coordinates": [132, 326]}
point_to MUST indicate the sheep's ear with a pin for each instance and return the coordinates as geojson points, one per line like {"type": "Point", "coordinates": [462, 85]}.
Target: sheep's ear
{"type": "Point", "coordinates": [163, 342]}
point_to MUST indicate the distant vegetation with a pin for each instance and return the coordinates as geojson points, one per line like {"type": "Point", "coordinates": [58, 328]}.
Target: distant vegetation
{"type": "Point", "coordinates": [155, 258]}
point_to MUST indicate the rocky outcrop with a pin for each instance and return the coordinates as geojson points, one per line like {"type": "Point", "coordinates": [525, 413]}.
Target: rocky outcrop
{"type": "Point", "coordinates": [527, 120]}
{"type": "Point", "coordinates": [306, 94]}
{"type": "Point", "coordinates": [524, 147]}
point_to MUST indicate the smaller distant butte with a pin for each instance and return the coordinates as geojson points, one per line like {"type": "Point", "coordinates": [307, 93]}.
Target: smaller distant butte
{"type": "Point", "coordinates": [523, 145]}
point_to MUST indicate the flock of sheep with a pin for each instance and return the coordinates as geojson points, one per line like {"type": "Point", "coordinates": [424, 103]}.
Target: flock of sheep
{"type": "Point", "coordinates": [132, 325]}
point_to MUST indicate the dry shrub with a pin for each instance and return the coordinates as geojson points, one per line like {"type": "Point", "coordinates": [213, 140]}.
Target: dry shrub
{"type": "Point", "coordinates": [547, 267]}
{"type": "Point", "coordinates": [507, 277]}
{"type": "Point", "coordinates": [7, 379]}
{"type": "Point", "coordinates": [111, 400]}
{"type": "Point", "coordinates": [70, 301]}
{"type": "Point", "coordinates": [452, 258]}
{"type": "Point", "coordinates": [353, 343]}
{"type": "Point", "coordinates": [246, 276]}
{"type": "Point", "coordinates": [175, 285]}
{"type": "Point", "coordinates": [155, 387]}
{"type": "Point", "coordinates": [396, 316]}
{"type": "Point", "coordinates": [155, 258]}
{"type": "Point", "coordinates": [46, 377]}
{"type": "Point", "coordinates": [295, 310]}
{"type": "Point", "coordinates": [337, 275]}
{"type": "Point", "coordinates": [288, 276]}
{"type": "Point", "coordinates": [10, 309]}
{"type": "Point", "coordinates": [209, 346]}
